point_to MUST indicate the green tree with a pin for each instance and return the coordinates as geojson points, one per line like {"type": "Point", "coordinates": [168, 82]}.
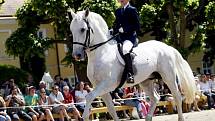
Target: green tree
{"type": "Point", "coordinates": [169, 20]}
{"type": "Point", "coordinates": [209, 30]}
{"type": "Point", "coordinates": [104, 8]}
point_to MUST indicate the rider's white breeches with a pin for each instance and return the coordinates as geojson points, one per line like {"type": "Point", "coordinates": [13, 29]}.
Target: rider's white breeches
{"type": "Point", "coordinates": [127, 46]}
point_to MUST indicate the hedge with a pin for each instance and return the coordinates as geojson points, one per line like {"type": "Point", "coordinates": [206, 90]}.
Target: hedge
{"type": "Point", "coordinates": [9, 71]}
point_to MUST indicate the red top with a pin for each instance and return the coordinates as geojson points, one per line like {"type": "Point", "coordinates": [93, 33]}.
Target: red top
{"type": "Point", "coordinates": [68, 98]}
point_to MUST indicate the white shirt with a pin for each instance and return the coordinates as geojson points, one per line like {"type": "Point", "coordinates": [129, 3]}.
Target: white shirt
{"type": "Point", "coordinates": [205, 87]}
{"type": "Point", "coordinates": [126, 5]}
{"type": "Point", "coordinates": [212, 84]}
{"type": "Point", "coordinates": [58, 97]}
{"type": "Point", "coordinates": [81, 97]}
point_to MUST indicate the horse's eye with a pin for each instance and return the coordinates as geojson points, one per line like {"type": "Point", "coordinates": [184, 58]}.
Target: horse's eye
{"type": "Point", "coordinates": [82, 30]}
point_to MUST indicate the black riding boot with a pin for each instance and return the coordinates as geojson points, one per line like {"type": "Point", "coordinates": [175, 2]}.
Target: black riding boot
{"type": "Point", "coordinates": [129, 68]}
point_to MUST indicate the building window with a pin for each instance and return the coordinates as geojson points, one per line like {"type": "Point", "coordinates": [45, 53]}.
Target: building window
{"type": "Point", "coordinates": [206, 68]}
{"type": "Point", "coordinates": [42, 34]}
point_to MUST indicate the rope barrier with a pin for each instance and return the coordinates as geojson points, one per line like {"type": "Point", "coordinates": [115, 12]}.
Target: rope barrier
{"type": "Point", "coordinates": [68, 104]}
{"type": "Point", "coordinates": [55, 105]}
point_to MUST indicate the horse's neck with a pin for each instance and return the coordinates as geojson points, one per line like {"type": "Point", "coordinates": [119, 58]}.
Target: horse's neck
{"type": "Point", "coordinates": [105, 51]}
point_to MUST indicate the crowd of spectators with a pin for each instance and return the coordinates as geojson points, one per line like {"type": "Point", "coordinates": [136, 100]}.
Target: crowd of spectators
{"type": "Point", "coordinates": [41, 103]}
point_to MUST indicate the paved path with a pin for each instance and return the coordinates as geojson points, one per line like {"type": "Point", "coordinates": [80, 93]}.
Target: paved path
{"type": "Point", "coordinates": [207, 115]}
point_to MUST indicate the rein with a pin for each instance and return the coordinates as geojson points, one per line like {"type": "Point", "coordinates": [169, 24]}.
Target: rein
{"type": "Point", "coordinates": [86, 43]}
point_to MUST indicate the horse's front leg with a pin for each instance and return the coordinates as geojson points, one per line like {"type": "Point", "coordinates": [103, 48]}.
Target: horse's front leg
{"type": "Point", "coordinates": [109, 103]}
{"type": "Point", "coordinates": [99, 90]}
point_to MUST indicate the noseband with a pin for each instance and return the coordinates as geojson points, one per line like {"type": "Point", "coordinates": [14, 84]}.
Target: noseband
{"type": "Point", "coordinates": [86, 44]}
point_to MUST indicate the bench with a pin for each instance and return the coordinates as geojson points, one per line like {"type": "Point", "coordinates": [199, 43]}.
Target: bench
{"type": "Point", "coordinates": [166, 104]}
{"type": "Point", "coordinates": [100, 110]}
{"type": "Point", "coordinates": [104, 109]}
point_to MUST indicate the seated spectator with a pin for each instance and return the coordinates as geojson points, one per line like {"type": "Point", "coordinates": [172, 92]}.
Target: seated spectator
{"type": "Point", "coordinates": [66, 80]}
{"type": "Point", "coordinates": [212, 83]}
{"type": "Point", "coordinates": [117, 95]}
{"type": "Point", "coordinates": [56, 99]}
{"type": "Point", "coordinates": [206, 90]}
{"type": "Point", "coordinates": [60, 82]}
{"type": "Point", "coordinates": [138, 92]}
{"type": "Point", "coordinates": [129, 93]}
{"type": "Point", "coordinates": [198, 95]}
{"type": "Point", "coordinates": [8, 85]}
{"type": "Point", "coordinates": [87, 87]}
{"type": "Point", "coordinates": [42, 84]}
{"type": "Point", "coordinates": [16, 100]}
{"type": "Point", "coordinates": [32, 100]}
{"type": "Point", "coordinates": [165, 94]}
{"type": "Point", "coordinates": [68, 99]}
{"type": "Point", "coordinates": [3, 114]}
{"type": "Point", "coordinates": [80, 96]}
{"type": "Point", "coordinates": [44, 100]}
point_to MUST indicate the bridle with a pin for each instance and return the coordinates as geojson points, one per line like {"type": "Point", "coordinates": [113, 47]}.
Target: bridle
{"type": "Point", "coordinates": [86, 44]}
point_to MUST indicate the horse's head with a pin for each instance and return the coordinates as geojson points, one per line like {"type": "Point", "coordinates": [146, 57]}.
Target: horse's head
{"type": "Point", "coordinates": [86, 27]}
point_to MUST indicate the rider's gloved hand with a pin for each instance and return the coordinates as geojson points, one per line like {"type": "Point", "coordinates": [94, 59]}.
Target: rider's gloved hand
{"type": "Point", "coordinates": [121, 30]}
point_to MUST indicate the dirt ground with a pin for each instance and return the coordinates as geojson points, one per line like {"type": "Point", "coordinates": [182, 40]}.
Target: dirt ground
{"type": "Point", "coordinates": [206, 115]}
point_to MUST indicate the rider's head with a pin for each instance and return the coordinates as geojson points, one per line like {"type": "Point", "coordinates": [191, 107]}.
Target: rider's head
{"type": "Point", "coordinates": [123, 2]}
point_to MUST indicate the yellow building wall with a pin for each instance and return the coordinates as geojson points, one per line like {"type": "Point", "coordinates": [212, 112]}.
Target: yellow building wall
{"type": "Point", "coordinates": [9, 26]}
{"type": "Point", "coordinates": [5, 31]}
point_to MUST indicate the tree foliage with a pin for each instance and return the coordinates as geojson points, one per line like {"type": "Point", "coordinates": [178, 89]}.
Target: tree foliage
{"type": "Point", "coordinates": [104, 8]}
{"type": "Point", "coordinates": [169, 20]}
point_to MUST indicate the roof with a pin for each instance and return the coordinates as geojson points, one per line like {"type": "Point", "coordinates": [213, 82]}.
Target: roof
{"type": "Point", "coordinates": [10, 6]}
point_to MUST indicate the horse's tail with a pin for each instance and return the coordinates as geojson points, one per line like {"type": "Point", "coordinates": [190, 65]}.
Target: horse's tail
{"type": "Point", "coordinates": [186, 78]}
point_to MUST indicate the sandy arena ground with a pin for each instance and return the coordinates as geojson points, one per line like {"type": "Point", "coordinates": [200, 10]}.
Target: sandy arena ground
{"type": "Point", "coordinates": [207, 115]}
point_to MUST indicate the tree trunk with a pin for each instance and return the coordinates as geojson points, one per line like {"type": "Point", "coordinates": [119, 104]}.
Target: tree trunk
{"type": "Point", "coordinates": [182, 26]}
{"type": "Point", "coordinates": [172, 23]}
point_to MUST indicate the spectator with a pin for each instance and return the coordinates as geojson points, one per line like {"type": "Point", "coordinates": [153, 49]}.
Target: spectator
{"type": "Point", "coordinates": [66, 80]}
{"type": "Point", "coordinates": [206, 90]}
{"type": "Point", "coordinates": [138, 92]}
{"type": "Point", "coordinates": [16, 100]}
{"type": "Point", "coordinates": [212, 83]}
{"type": "Point", "coordinates": [129, 93]}
{"type": "Point", "coordinates": [117, 95]}
{"type": "Point", "coordinates": [44, 100]}
{"type": "Point", "coordinates": [165, 94]}
{"type": "Point", "coordinates": [8, 85]}
{"type": "Point", "coordinates": [56, 99]}
{"type": "Point", "coordinates": [32, 99]}
{"type": "Point", "coordinates": [68, 99]}
{"type": "Point", "coordinates": [3, 114]}
{"type": "Point", "coordinates": [80, 96]}
{"type": "Point", "coordinates": [59, 81]}
{"type": "Point", "coordinates": [42, 85]}
{"type": "Point", "coordinates": [87, 87]}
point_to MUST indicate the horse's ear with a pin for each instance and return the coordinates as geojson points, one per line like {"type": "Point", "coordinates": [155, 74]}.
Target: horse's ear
{"type": "Point", "coordinates": [87, 11]}
{"type": "Point", "coordinates": [71, 14]}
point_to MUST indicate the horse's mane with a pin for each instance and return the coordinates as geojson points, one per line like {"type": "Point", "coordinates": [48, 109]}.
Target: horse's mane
{"type": "Point", "coordinates": [95, 20]}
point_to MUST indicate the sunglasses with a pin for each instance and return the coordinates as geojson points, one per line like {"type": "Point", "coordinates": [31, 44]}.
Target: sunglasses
{"type": "Point", "coordinates": [55, 89]}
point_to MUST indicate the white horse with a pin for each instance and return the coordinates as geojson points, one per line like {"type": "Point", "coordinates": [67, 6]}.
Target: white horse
{"type": "Point", "coordinates": [90, 35]}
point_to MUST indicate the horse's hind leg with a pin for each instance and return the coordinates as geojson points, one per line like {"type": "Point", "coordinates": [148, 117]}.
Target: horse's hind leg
{"type": "Point", "coordinates": [109, 103]}
{"type": "Point", "coordinates": [170, 79]}
{"type": "Point", "coordinates": [148, 87]}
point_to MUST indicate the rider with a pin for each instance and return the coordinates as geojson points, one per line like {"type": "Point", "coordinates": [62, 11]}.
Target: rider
{"type": "Point", "coordinates": [127, 23]}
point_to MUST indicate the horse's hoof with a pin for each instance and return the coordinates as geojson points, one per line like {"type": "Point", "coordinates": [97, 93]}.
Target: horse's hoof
{"type": "Point", "coordinates": [148, 118]}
